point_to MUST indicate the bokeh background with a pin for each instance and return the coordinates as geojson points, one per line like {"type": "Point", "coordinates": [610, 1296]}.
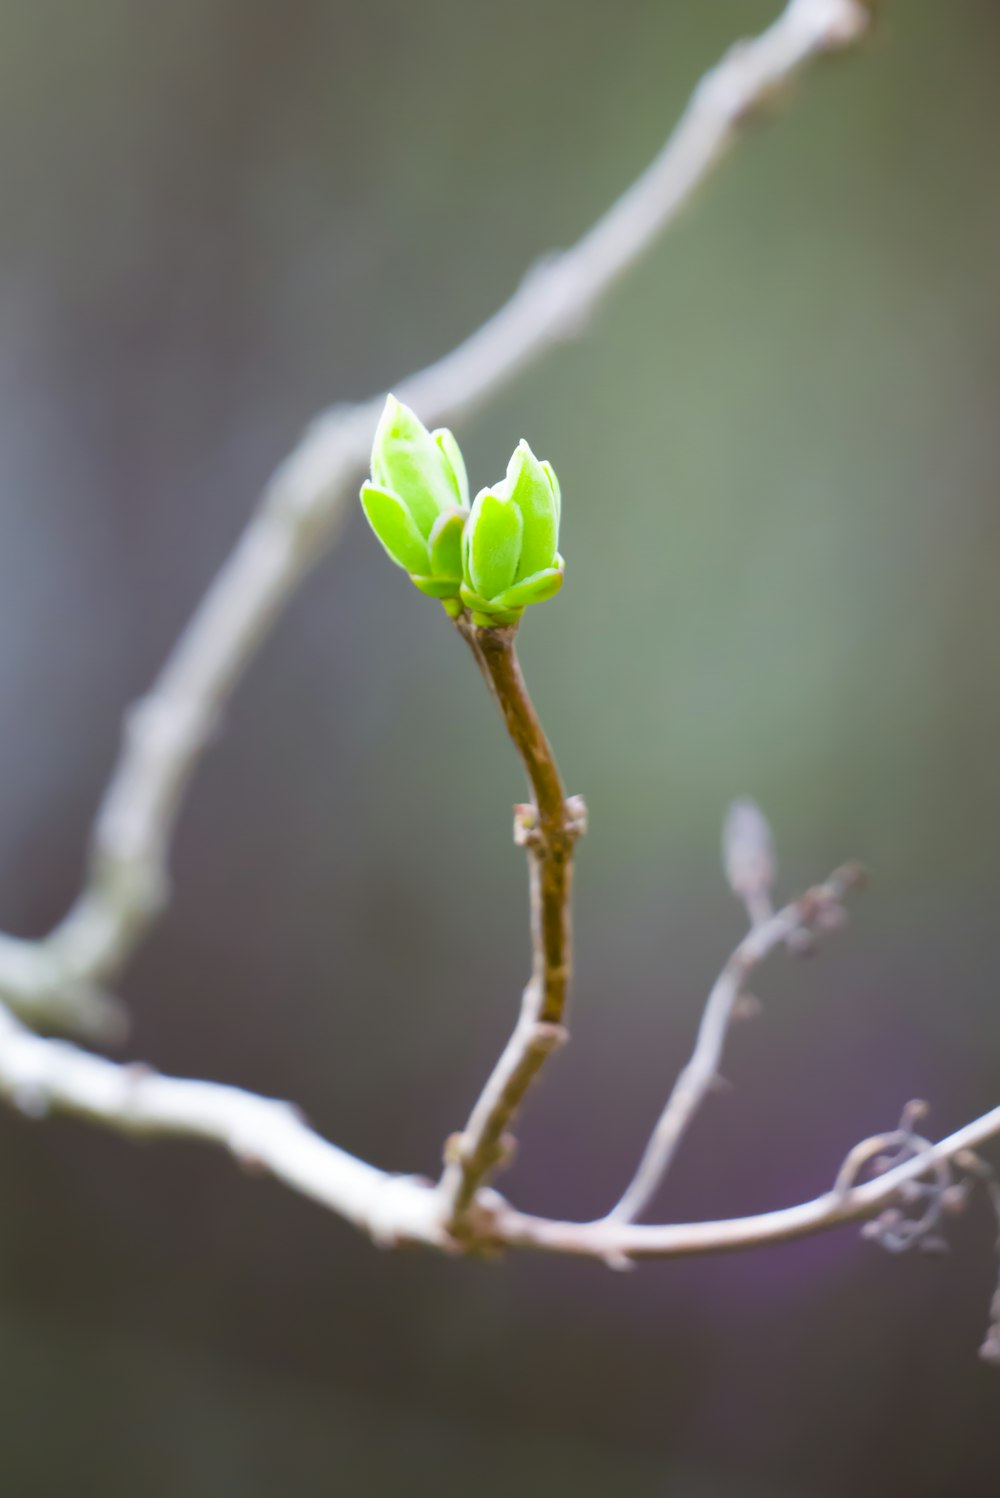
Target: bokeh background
{"type": "Point", "coordinates": [780, 462]}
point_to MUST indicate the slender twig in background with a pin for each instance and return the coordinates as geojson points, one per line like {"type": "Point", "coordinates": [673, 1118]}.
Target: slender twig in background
{"type": "Point", "coordinates": [814, 908]}
{"type": "Point", "coordinates": [548, 830]}
{"type": "Point", "coordinates": [58, 980]}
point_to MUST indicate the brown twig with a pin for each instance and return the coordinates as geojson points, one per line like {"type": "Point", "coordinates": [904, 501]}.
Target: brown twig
{"type": "Point", "coordinates": [547, 829]}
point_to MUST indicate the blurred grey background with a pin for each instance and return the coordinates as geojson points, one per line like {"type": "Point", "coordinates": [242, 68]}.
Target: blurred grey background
{"type": "Point", "coordinates": [220, 215]}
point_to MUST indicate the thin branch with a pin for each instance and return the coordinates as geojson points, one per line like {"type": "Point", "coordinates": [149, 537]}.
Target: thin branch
{"type": "Point", "coordinates": [166, 733]}
{"type": "Point", "coordinates": [619, 1242]}
{"type": "Point", "coordinates": [701, 1073]}
{"type": "Point", "coordinates": [548, 830]}
{"type": "Point", "coordinates": [40, 1075]}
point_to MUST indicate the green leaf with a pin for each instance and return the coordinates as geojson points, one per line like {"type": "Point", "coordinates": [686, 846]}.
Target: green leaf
{"type": "Point", "coordinates": [446, 545]}
{"type": "Point", "coordinates": [436, 587]}
{"type": "Point", "coordinates": [407, 460]}
{"type": "Point", "coordinates": [530, 488]}
{"type": "Point", "coordinates": [487, 613]}
{"type": "Point", "coordinates": [495, 620]}
{"type": "Point", "coordinates": [396, 529]}
{"type": "Point", "coordinates": [472, 600]}
{"type": "Point", "coordinates": [452, 454]}
{"type": "Point", "coordinates": [494, 531]}
{"type": "Point", "coordinates": [550, 474]}
{"type": "Point", "coordinates": [537, 589]}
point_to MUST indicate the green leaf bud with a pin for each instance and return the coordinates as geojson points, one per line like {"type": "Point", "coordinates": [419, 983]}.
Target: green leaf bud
{"type": "Point", "coordinates": [530, 488]}
{"type": "Point", "coordinates": [508, 562]}
{"type": "Point", "coordinates": [446, 545]}
{"type": "Point", "coordinates": [494, 559]}
{"type": "Point", "coordinates": [435, 587]}
{"type": "Point", "coordinates": [538, 588]}
{"type": "Point", "coordinates": [452, 454]}
{"type": "Point", "coordinates": [418, 499]}
{"type": "Point", "coordinates": [395, 527]}
{"type": "Point", "coordinates": [407, 460]}
{"type": "Point", "coordinates": [550, 474]}
{"type": "Point", "coordinates": [487, 612]}
{"type": "Point", "coordinates": [493, 536]}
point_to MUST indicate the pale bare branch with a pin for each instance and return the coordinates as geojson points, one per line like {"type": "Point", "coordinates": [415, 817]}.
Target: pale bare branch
{"type": "Point", "coordinates": [701, 1073]}
{"type": "Point", "coordinates": [619, 1242]}
{"type": "Point", "coordinates": [39, 1075]}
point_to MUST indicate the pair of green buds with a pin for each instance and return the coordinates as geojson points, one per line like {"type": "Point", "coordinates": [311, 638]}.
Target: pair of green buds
{"type": "Point", "coordinates": [493, 558]}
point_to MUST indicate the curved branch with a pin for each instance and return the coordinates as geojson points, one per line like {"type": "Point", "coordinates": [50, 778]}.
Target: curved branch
{"type": "Point", "coordinates": [127, 883]}
{"type": "Point", "coordinates": [618, 1243]}
{"type": "Point", "coordinates": [40, 1075]}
